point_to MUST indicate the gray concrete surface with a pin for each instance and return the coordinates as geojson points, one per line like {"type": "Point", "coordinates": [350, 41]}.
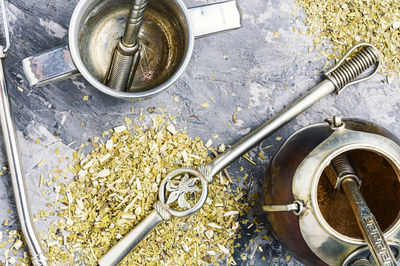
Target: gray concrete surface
{"type": "Point", "coordinates": [251, 68]}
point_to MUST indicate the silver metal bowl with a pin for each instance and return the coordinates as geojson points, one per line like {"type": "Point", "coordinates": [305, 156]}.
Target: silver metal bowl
{"type": "Point", "coordinates": [166, 38]}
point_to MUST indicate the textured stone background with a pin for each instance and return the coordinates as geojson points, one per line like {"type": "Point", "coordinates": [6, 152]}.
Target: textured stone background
{"type": "Point", "coordinates": [252, 68]}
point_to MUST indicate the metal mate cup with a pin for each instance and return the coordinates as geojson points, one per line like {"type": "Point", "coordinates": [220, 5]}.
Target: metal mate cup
{"type": "Point", "coordinates": [313, 221]}
{"type": "Point", "coordinates": [166, 37]}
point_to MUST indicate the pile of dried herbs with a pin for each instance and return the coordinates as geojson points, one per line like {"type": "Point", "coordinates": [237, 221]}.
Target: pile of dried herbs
{"type": "Point", "coordinates": [13, 247]}
{"type": "Point", "coordinates": [345, 23]}
{"type": "Point", "coordinates": [115, 187]}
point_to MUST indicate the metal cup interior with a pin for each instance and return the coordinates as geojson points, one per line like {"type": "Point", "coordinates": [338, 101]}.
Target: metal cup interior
{"type": "Point", "coordinates": [380, 187]}
{"type": "Point", "coordinates": [165, 37]}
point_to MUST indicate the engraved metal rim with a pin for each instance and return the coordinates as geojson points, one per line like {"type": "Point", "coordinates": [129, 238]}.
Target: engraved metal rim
{"type": "Point", "coordinates": [77, 17]}
{"type": "Point", "coordinates": [318, 173]}
{"type": "Point", "coordinates": [361, 250]}
{"type": "Point", "coordinates": [199, 203]}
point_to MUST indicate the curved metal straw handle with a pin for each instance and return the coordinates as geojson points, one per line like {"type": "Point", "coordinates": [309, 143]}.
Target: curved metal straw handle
{"type": "Point", "coordinates": [14, 159]}
{"type": "Point", "coordinates": [17, 173]}
{"type": "Point", "coordinates": [205, 173]}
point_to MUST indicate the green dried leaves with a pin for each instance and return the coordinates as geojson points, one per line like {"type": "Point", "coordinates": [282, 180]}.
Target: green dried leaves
{"type": "Point", "coordinates": [345, 23]}
{"type": "Point", "coordinates": [116, 186]}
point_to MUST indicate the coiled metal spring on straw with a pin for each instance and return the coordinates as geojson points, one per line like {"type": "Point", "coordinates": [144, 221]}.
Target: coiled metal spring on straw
{"type": "Point", "coordinates": [126, 55]}
{"type": "Point", "coordinates": [342, 165]}
{"type": "Point", "coordinates": [344, 73]}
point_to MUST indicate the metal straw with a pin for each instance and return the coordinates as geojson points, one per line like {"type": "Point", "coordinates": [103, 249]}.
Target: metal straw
{"type": "Point", "coordinates": [348, 180]}
{"type": "Point", "coordinates": [126, 55]}
{"type": "Point", "coordinates": [14, 159]}
{"type": "Point", "coordinates": [344, 73]}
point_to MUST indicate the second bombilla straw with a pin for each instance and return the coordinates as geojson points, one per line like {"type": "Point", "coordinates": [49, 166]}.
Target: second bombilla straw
{"type": "Point", "coordinates": [126, 55]}
{"type": "Point", "coordinates": [347, 180]}
{"type": "Point", "coordinates": [14, 158]}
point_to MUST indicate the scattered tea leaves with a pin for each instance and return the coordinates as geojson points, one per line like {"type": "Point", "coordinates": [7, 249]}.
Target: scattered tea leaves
{"type": "Point", "coordinates": [115, 187]}
{"type": "Point", "coordinates": [13, 246]}
{"type": "Point", "coordinates": [247, 157]}
{"type": "Point", "coordinates": [41, 162]}
{"type": "Point", "coordinates": [345, 23]}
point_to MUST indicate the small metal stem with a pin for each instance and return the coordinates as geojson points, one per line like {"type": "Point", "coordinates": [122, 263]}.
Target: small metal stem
{"type": "Point", "coordinates": [366, 221]}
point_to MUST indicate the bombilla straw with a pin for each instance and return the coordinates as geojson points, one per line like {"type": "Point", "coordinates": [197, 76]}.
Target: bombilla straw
{"type": "Point", "coordinates": [126, 55]}
{"type": "Point", "coordinates": [14, 159]}
{"type": "Point", "coordinates": [344, 74]}
{"type": "Point", "coordinates": [349, 182]}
